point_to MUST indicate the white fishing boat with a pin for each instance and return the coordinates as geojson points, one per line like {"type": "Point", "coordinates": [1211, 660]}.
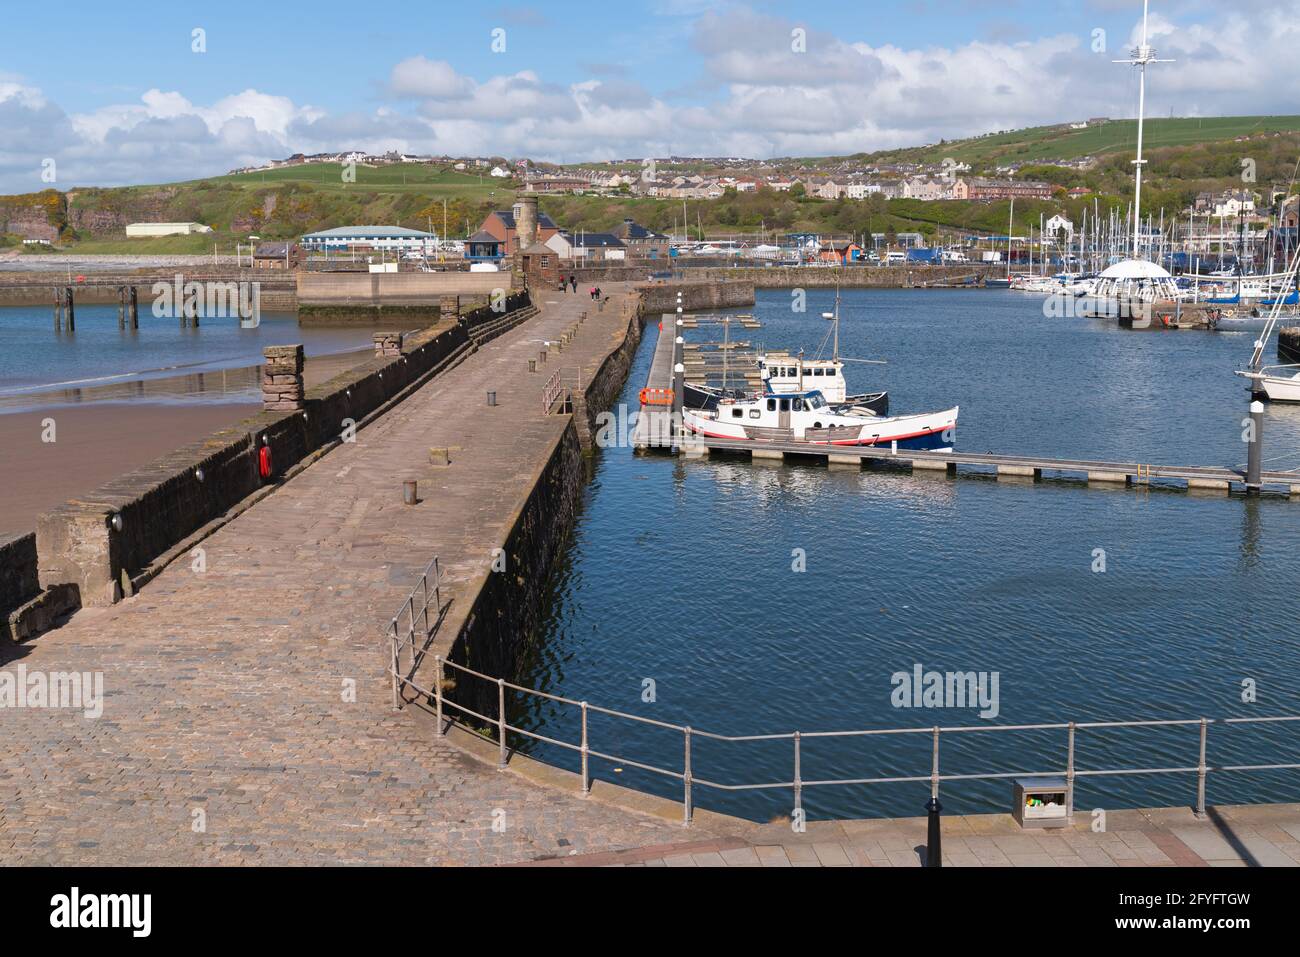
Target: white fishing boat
{"type": "Point", "coordinates": [808, 417]}
{"type": "Point", "coordinates": [784, 374]}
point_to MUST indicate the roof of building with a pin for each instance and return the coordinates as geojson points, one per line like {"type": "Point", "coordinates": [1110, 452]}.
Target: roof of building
{"type": "Point", "coordinates": [370, 232]}
{"type": "Point", "coordinates": [594, 239]}
{"type": "Point", "coordinates": [277, 250]}
{"type": "Point", "coordinates": [631, 230]}
{"type": "Point", "coordinates": [483, 236]}
{"type": "Point", "coordinates": [1134, 269]}
{"type": "Point", "coordinates": [507, 217]}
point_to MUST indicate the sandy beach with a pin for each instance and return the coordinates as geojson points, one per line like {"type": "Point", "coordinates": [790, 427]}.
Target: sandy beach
{"type": "Point", "coordinates": [98, 441]}
{"type": "Point", "coordinates": [94, 443]}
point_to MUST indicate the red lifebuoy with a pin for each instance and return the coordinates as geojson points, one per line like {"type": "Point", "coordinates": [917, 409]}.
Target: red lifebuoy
{"type": "Point", "coordinates": [264, 461]}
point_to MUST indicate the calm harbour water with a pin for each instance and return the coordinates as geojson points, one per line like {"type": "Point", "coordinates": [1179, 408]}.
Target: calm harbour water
{"type": "Point", "coordinates": [681, 572]}
{"type": "Point", "coordinates": [39, 365]}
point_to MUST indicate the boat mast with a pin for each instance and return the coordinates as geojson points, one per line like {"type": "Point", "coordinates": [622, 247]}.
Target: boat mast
{"type": "Point", "coordinates": [1140, 58]}
{"type": "Point", "coordinates": [1011, 225]}
{"type": "Point", "coordinates": [835, 355]}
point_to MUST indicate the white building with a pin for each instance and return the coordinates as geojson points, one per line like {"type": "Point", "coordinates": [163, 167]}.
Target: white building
{"type": "Point", "coordinates": [499, 173]}
{"type": "Point", "coordinates": [1059, 225]}
{"type": "Point", "coordinates": [378, 238]}
{"type": "Point", "coordinates": [861, 190]}
{"type": "Point", "coordinates": [1232, 205]}
{"type": "Point", "coordinates": [166, 229]}
{"type": "Point", "coordinates": [926, 190]}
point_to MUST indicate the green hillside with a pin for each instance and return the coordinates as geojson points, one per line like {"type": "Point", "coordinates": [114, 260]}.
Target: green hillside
{"type": "Point", "coordinates": [1186, 156]}
{"type": "Point", "coordinates": [1062, 143]}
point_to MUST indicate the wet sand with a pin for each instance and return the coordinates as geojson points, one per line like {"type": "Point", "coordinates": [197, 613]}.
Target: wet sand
{"type": "Point", "coordinates": [94, 444]}
{"type": "Point", "coordinates": [96, 441]}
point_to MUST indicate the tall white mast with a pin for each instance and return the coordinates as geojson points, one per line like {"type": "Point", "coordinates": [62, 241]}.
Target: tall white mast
{"type": "Point", "coordinates": [1139, 58]}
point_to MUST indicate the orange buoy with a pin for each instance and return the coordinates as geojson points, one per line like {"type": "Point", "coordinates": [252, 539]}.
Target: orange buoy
{"type": "Point", "coordinates": [264, 461]}
{"type": "Point", "coordinates": [656, 396]}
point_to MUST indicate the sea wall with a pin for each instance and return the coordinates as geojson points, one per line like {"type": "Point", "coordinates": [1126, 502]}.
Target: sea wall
{"type": "Point", "coordinates": [606, 380]}
{"type": "Point", "coordinates": [111, 541]}
{"type": "Point", "coordinates": [502, 621]}
{"type": "Point", "coordinates": [1288, 345]}
{"type": "Point", "coordinates": [902, 276]}
{"type": "Point", "coordinates": [657, 298]}
{"type": "Point", "coordinates": [26, 609]}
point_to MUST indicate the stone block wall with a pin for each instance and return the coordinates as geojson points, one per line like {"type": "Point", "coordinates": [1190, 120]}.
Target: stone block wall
{"type": "Point", "coordinates": [657, 298]}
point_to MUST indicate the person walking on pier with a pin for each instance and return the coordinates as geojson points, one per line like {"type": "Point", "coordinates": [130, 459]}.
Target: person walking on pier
{"type": "Point", "coordinates": [573, 282]}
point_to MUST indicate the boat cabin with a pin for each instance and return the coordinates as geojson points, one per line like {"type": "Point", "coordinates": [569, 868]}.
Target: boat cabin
{"type": "Point", "coordinates": [784, 375]}
{"type": "Point", "coordinates": [791, 411]}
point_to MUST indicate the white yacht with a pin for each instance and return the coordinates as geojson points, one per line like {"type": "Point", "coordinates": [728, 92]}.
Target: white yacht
{"type": "Point", "coordinates": [808, 417]}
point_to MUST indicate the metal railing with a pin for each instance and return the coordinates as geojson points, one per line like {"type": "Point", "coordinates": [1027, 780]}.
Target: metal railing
{"type": "Point", "coordinates": [551, 391]}
{"type": "Point", "coordinates": [417, 622]}
{"type": "Point", "coordinates": [418, 612]}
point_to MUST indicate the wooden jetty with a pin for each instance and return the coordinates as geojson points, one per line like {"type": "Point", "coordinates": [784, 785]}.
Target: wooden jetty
{"type": "Point", "coordinates": [654, 431]}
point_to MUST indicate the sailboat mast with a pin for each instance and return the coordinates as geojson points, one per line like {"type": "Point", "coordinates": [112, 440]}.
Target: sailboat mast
{"type": "Point", "coordinates": [836, 353]}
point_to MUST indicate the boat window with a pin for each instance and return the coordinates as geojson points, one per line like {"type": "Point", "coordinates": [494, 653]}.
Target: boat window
{"type": "Point", "coordinates": [817, 371]}
{"type": "Point", "coordinates": [755, 413]}
{"type": "Point", "coordinates": [798, 405]}
{"type": "Point", "coordinates": [785, 405]}
{"type": "Point", "coordinates": [771, 405]}
{"type": "Point", "coordinates": [737, 413]}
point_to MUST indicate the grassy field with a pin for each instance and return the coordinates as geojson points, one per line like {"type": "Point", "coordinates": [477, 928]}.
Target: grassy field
{"type": "Point", "coordinates": [399, 177]}
{"type": "Point", "coordinates": [1063, 143]}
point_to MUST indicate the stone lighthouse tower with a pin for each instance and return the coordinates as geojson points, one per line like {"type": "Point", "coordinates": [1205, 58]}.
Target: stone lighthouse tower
{"type": "Point", "coordinates": [525, 210]}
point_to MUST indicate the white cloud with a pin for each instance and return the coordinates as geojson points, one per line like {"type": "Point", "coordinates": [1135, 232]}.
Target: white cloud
{"type": "Point", "coordinates": [752, 95]}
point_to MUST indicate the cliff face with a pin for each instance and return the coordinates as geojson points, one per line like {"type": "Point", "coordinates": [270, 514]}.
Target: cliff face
{"type": "Point", "coordinates": [34, 215]}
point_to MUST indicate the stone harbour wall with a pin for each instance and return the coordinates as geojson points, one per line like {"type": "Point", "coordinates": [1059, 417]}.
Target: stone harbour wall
{"type": "Point", "coordinates": [107, 543]}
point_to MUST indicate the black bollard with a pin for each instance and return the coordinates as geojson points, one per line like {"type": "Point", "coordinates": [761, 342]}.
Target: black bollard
{"type": "Point", "coordinates": [1255, 454]}
{"type": "Point", "coordinates": [933, 844]}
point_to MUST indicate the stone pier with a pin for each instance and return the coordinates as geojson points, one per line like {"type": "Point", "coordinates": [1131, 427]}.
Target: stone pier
{"type": "Point", "coordinates": [282, 388]}
{"type": "Point", "coordinates": [387, 344]}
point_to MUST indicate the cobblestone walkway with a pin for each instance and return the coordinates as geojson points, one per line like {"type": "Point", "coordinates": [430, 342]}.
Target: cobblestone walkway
{"type": "Point", "coordinates": [1247, 836]}
{"type": "Point", "coordinates": [227, 735]}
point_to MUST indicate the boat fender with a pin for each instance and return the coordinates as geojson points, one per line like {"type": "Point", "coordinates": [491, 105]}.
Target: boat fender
{"type": "Point", "coordinates": [264, 461]}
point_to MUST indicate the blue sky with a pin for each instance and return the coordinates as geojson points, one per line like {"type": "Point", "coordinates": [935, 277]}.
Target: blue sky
{"type": "Point", "coordinates": [113, 98]}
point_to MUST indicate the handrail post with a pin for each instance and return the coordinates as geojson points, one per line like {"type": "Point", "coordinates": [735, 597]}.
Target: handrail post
{"type": "Point", "coordinates": [424, 590]}
{"type": "Point", "coordinates": [397, 698]}
{"type": "Point", "coordinates": [437, 693]}
{"type": "Point", "coordinates": [1069, 776]}
{"type": "Point", "coordinates": [1200, 775]}
{"type": "Point", "coordinates": [410, 636]}
{"type": "Point", "coordinates": [934, 766]}
{"type": "Point", "coordinates": [501, 722]}
{"type": "Point", "coordinates": [686, 776]}
{"type": "Point", "coordinates": [798, 775]}
{"type": "Point", "coordinates": [586, 775]}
